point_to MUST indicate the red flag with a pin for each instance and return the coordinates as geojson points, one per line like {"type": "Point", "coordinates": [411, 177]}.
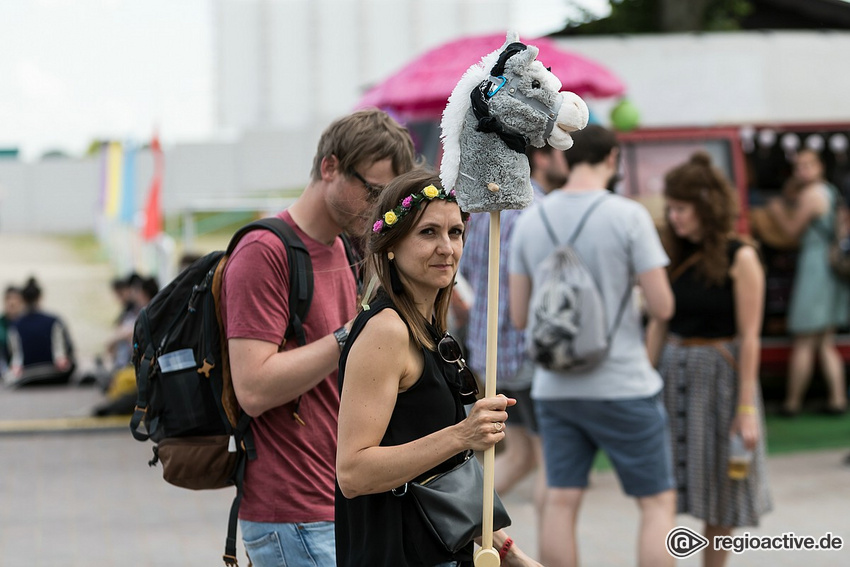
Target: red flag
{"type": "Point", "coordinates": [153, 208]}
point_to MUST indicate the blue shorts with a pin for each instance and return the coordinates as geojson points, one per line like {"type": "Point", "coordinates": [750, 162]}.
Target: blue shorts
{"type": "Point", "coordinates": [633, 433]}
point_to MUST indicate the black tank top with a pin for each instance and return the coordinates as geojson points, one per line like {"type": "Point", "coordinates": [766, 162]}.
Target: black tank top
{"type": "Point", "coordinates": [384, 530]}
{"type": "Point", "coordinates": [704, 310]}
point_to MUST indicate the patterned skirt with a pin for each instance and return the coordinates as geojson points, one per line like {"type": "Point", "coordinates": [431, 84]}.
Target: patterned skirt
{"type": "Point", "coordinates": [701, 396]}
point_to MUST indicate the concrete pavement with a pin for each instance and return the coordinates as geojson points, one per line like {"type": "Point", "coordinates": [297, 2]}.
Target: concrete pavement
{"type": "Point", "coordinates": [88, 499]}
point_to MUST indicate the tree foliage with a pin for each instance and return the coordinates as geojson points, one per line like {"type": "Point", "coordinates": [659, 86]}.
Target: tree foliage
{"type": "Point", "coordinates": [663, 16]}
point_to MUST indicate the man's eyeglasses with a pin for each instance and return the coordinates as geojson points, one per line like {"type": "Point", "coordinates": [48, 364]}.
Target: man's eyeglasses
{"type": "Point", "coordinates": [450, 352]}
{"type": "Point", "coordinates": [371, 188]}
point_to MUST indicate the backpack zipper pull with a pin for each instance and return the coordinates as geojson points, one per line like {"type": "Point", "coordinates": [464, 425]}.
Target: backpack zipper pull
{"type": "Point", "coordinates": [297, 418]}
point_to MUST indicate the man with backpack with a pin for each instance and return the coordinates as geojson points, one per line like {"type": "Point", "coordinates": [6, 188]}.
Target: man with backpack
{"type": "Point", "coordinates": [286, 514]}
{"type": "Point", "coordinates": [610, 400]}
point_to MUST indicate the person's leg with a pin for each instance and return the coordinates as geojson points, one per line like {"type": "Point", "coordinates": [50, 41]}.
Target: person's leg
{"type": "Point", "coordinates": [539, 477]}
{"type": "Point", "coordinates": [657, 518]}
{"type": "Point", "coordinates": [558, 528]}
{"type": "Point", "coordinates": [569, 454]}
{"type": "Point", "coordinates": [294, 545]}
{"type": "Point", "coordinates": [634, 434]}
{"type": "Point", "coordinates": [714, 557]}
{"type": "Point", "coordinates": [833, 371]}
{"type": "Point", "coordinates": [519, 458]}
{"type": "Point", "coordinates": [800, 368]}
{"type": "Point", "coordinates": [516, 460]}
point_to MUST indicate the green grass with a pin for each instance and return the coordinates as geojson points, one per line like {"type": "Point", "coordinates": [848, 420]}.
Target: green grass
{"type": "Point", "coordinates": [806, 432]}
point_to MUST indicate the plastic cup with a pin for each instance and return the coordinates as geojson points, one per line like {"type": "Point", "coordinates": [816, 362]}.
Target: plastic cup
{"type": "Point", "coordinates": [739, 458]}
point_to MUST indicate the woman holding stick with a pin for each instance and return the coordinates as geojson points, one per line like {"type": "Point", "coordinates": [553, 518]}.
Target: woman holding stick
{"type": "Point", "coordinates": [404, 383]}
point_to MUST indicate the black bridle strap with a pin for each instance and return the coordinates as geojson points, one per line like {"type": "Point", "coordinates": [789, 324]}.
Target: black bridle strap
{"type": "Point", "coordinates": [489, 124]}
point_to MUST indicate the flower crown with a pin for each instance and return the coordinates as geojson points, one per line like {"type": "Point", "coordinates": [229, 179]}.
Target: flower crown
{"type": "Point", "coordinates": [391, 217]}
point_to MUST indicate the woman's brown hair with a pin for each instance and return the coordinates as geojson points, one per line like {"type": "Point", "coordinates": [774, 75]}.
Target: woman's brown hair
{"type": "Point", "coordinates": [379, 243]}
{"type": "Point", "coordinates": [699, 182]}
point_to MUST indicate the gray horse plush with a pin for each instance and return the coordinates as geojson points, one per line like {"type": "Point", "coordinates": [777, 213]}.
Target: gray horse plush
{"type": "Point", "coordinates": [502, 104]}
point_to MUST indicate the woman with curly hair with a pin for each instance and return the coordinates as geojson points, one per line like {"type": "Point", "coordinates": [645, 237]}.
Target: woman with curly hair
{"type": "Point", "coordinates": [708, 353]}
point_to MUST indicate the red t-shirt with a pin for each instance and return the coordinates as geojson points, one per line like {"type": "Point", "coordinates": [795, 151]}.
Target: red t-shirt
{"type": "Point", "coordinates": [292, 479]}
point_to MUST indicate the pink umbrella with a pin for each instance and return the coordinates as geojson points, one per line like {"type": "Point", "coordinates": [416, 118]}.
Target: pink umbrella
{"type": "Point", "coordinates": [423, 86]}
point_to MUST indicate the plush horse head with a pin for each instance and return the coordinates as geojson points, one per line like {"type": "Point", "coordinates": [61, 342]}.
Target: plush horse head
{"type": "Point", "coordinates": [501, 105]}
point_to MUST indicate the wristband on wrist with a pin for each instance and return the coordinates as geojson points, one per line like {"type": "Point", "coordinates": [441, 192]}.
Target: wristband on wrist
{"type": "Point", "coordinates": [748, 410]}
{"type": "Point", "coordinates": [341, 335]}
{"type": "Point", "coordinates": [506, 547]}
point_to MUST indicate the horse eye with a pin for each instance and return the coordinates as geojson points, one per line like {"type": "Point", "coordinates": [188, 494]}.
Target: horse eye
{"type": "Point", "coordinates": [535, 84]}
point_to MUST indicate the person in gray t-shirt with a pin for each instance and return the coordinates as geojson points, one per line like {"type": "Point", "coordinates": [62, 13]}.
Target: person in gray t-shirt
{"type": "Point", "coordinates": [614, 406]}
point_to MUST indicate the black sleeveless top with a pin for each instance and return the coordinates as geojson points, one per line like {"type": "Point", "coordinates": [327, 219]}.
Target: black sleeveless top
{"type": "Point", "coordinates": [703, 310]}
{"type": "Point", "coordinates": [383, 529]}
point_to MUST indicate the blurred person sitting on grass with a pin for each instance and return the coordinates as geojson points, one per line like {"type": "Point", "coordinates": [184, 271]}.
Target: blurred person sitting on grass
{"type": "Point", "coordinates": [13, 307]}
{"type": "Point", "coordinates": [41, 351]}
{"type": "Point", "coordinates": [121, 389]}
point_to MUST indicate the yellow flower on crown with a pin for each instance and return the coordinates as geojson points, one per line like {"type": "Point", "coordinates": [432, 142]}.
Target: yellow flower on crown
{"type": "Point", "coordinates": [430, 191]}
{"type": "Point", "coordinates": [390, 218]}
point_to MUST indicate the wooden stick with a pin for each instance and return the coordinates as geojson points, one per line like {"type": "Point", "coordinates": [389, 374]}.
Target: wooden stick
{"type": "Point", "coordinates": [487, 556]}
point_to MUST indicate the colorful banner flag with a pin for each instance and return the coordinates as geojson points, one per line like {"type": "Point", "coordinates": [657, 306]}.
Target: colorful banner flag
{"type": "Point", "coordinates": [127, 210]}
{"type": "Point", "coordinates": [114, 178]}
{"type": "Point", "coordinates": [153, 207]}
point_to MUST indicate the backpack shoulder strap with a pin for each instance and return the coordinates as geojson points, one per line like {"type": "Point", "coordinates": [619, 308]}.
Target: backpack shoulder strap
{"type": "Point", "coordinates": [571, 240]}
{"type": "Point", "coordinates": [586, 216]}
{"type": "Point", "coordinates": [300, 271]}
{"type": "Point", "coordinates": [354, 261]}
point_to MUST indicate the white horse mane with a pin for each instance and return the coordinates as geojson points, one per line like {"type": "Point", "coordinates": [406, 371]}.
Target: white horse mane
{"type": "Point", "coordinates": [456, 109]}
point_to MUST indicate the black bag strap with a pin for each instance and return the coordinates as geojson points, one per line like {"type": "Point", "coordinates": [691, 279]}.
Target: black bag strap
{"type": "Point", "coordinates": [146, 368]}
{"type": "Point", "coordinates": [229, 556]}
{"type": "Point", "coordinates": [355, 261]}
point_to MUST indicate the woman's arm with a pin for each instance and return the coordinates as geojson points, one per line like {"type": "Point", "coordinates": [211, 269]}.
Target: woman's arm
{"type": "Point", "coordinates": [656, 334]}
{"type": "Point", "coordinates": [793, 222]}
{"type": "Point", "coordinates": [381, 362]}
{"type": "Point", "coordinates": [748, 286]}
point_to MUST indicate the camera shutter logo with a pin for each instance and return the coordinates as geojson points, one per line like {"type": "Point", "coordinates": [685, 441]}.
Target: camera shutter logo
{"type": "Point", "coordinates": [683, 542]}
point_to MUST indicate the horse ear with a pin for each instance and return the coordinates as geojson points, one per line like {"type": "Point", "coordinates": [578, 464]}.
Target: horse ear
{"type": "Point", "coordinates": [511, 37]}
{"type": "Point", "coordinates": [522, 59]}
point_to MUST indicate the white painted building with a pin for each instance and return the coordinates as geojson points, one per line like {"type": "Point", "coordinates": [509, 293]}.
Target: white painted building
{"type": "Point", "coordinates": [300, 63]}
{"type": "Point", "coordinates": [319, 65]}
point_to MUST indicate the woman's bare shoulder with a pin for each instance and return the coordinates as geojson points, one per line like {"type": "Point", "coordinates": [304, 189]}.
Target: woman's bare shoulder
{"type": "Point", "coordinates": [386, 328]}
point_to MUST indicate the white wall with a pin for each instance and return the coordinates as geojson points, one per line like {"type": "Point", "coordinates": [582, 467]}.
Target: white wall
{"type": "Point", "coordinates": [63, 196]}
{"type": "Point", "coordinates": [319, 56]}
{"type": "Point", "coordinates": [729, 78]}
{"type": "Point", "coordinates": [675, 80]}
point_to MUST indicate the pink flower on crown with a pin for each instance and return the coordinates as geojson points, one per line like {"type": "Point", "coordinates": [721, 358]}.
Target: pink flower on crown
{"type": "Point", "coordinates": [378, 226]}
{"type": "Point", "coordinates": [452, 194]}
{"type": "Point", "coordinates": [407, 201]}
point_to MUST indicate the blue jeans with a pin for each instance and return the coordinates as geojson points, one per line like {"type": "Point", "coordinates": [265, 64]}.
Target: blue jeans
{"type": "Point", "coordinates": [289, 545]}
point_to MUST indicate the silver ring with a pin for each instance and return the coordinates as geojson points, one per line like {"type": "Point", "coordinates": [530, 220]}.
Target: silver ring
{"type": "Point", "coordinates": [498, 425]}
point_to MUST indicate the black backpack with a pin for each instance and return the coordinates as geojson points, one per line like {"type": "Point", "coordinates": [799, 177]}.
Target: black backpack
{"type": "Point", "coordinates": [185, 399]}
